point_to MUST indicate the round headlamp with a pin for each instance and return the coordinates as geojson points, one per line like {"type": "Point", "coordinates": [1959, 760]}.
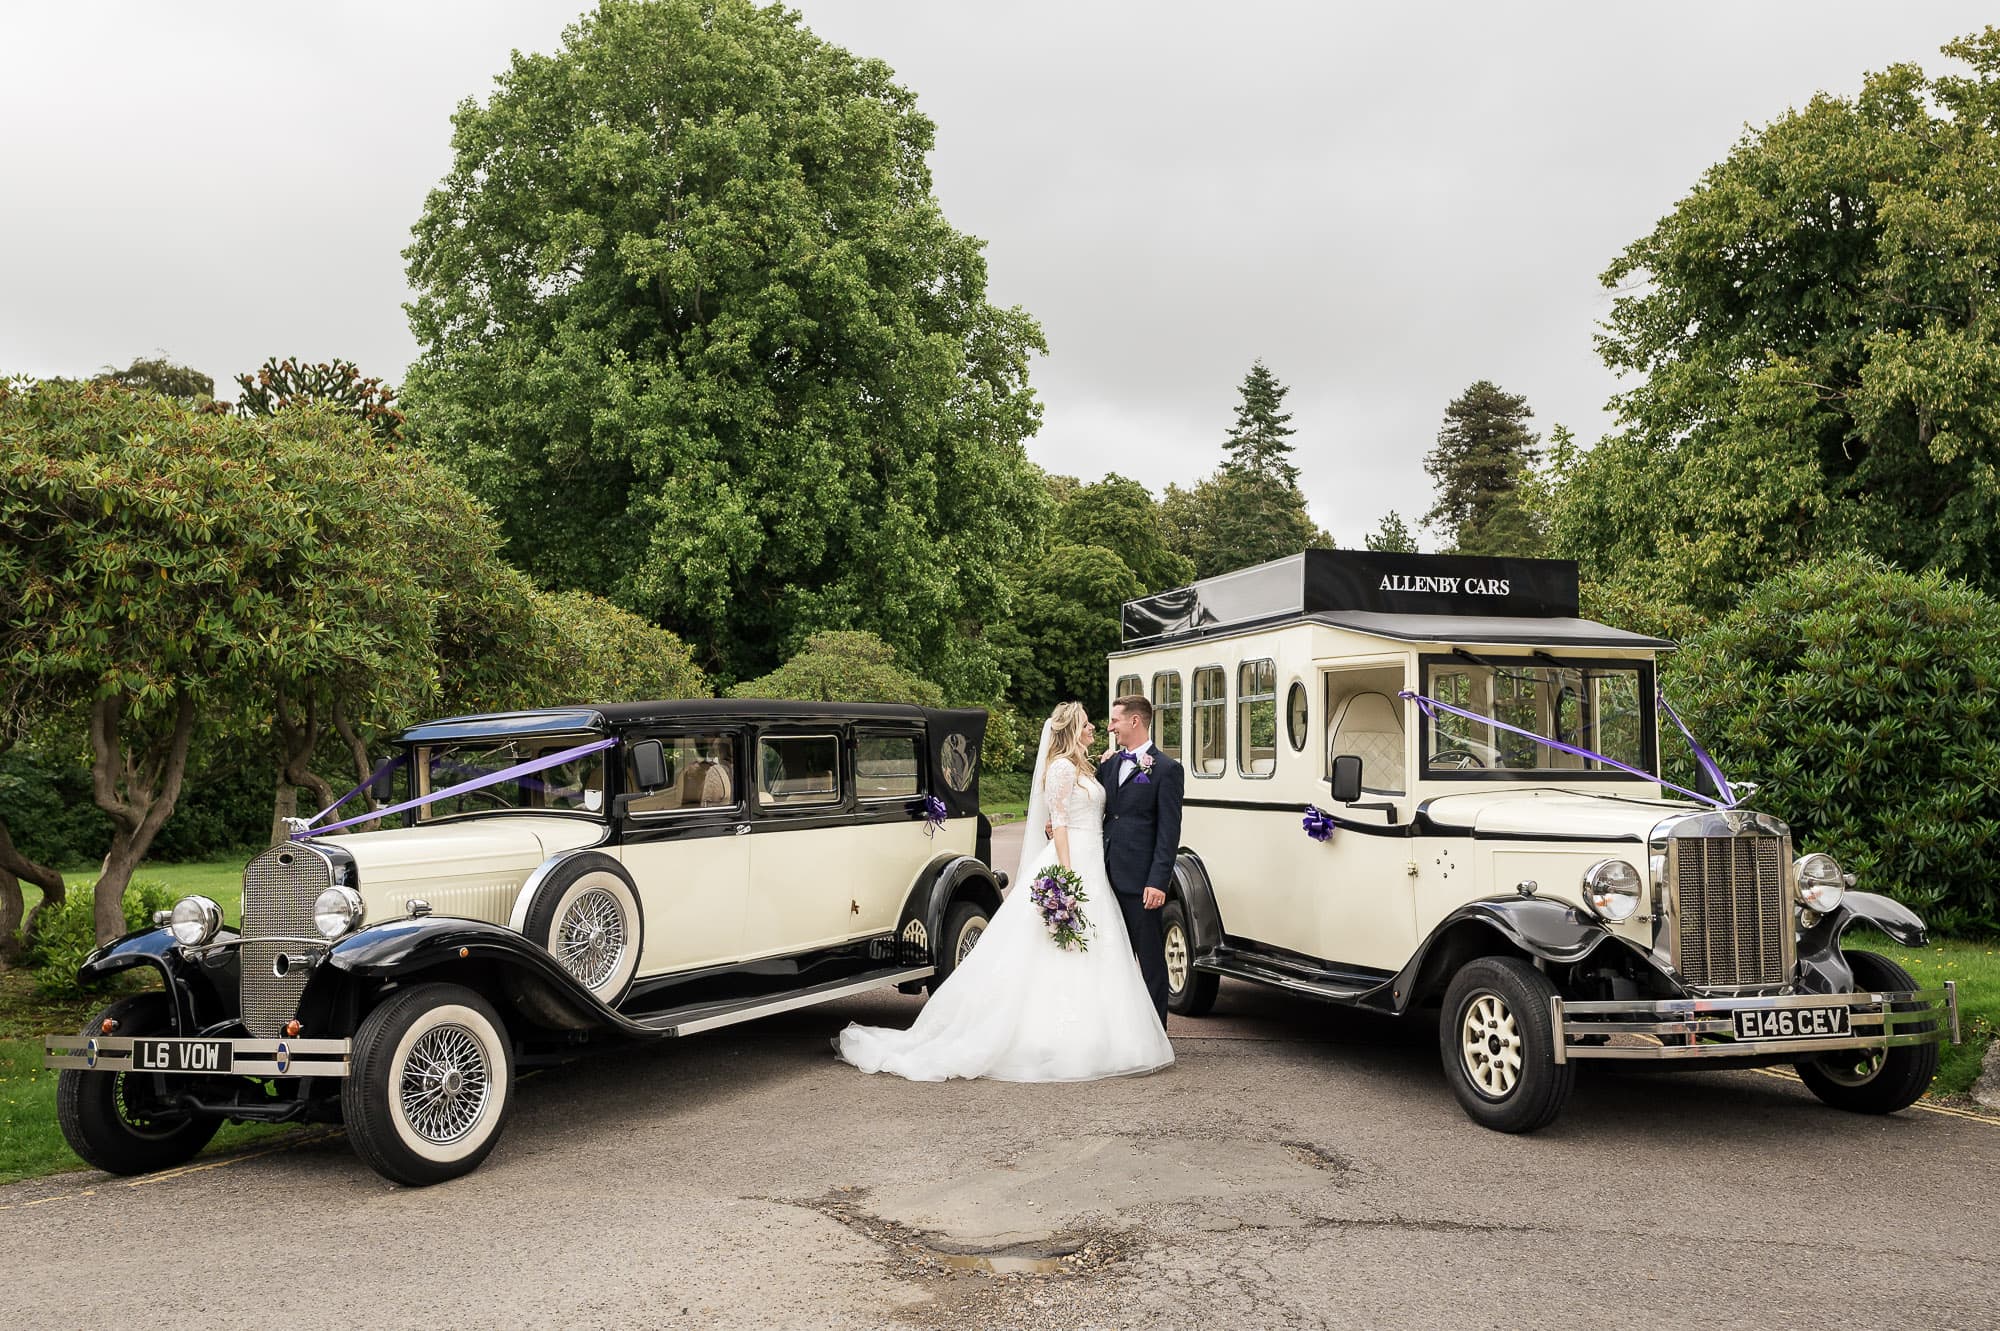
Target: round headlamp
{"type": "Point", "coordinates": [338, 911]}
{"type": "Point", "coordinates": [1611, 889]}
{"type": "Point", "coordinates": [194, 920]}
{"type": "Point", "coordinates": [1819, 881]}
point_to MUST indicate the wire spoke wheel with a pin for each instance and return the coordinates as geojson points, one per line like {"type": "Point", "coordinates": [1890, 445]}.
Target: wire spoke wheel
{"type": "Point", "coordinates": [1490, 1044]}
{"type": "Point", "coordinates": [590, 938]}
{"type": "Point", "coordinates": [968, 937]}
{"type": "Point", "coordinates": [445, 1084]}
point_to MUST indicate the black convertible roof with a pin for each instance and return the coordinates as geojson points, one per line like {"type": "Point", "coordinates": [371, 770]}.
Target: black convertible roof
{"type": "Point", "coordinates": [1405, 597]}
{"type": "Point", "coordinates": [603, 717]}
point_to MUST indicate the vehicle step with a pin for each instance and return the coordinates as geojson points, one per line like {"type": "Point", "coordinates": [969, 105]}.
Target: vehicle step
{"type": "Point", "coordinates": [708, 1016]}
{"type": "Point", "coordinates": [1238, 968]}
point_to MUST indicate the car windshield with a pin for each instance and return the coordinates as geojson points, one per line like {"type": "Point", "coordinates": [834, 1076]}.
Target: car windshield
{"type": "Point", "coordinates": [576, 786]}
{"type": "Point", "coordinates": [1602, 707]}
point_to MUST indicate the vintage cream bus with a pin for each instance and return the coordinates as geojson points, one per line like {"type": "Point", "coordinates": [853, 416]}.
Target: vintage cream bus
{"type": "Point", "coordinates": [1496, 847]}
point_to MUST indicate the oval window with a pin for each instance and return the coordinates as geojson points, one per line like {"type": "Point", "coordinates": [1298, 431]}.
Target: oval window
{"type": "Point", "coordinates": [1295, 716]}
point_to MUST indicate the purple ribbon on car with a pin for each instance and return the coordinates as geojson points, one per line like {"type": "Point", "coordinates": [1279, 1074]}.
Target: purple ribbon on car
{"type": "Point", "coordinates": [1318, 823]}
{"type": "Point", "coordinates": [540, 764]}
{"type": "Point", "coordinates": [1431, 707]}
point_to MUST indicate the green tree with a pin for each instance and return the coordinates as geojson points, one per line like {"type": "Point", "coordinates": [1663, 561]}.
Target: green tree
{"type": "Point", "coordinates": [593, 651]}
{"type": "Point", "coordinates": [1861, 698]}
{"type": "Point", "coordinates": [693, 323]}
{"type": "Point", "coordinates": [1065, 621]}
{"type": "Point", "coordinates": [1816, 348]}
{"type": "Point", "coordinates": [278, 384]}
{"type": "Point", "coordinates": [1231, 521]}
{"type": "Point", "coordinates": [159, 565]}
{"type": "Point", "coordinates": [1121, 515]}
{"type": "Point", "coordinates": [1483, 460]}
{"type": "Point", "coordinates": [1260, 444]}
{"type": "Point", "coordinates": [1251, 509]}
{"type": "Point", "coordinates": [158, 374]}
{"type": "Point", "coordinates": [843, 666]}
{"type": "Point", "coordinates": [1392, 536]}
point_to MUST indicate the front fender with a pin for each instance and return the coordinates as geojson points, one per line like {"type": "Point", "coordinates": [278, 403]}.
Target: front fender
{"type": "Point", "coordinates": [1891, 917]}
{"type": "Point", "coordinates": [1823, 966]}
{"type": "Point", "coordinates": [1547, 930]}
{"type": "Point", "coordinates": [203, 991]}
{"type": "Point", "coordinates": [401, 949]}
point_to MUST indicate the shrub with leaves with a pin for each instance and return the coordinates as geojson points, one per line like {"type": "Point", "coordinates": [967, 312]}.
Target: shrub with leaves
{"type": "Point", "coordinates": [68, 933]}
{"type": "Point", "coordinates": [1862, 698]}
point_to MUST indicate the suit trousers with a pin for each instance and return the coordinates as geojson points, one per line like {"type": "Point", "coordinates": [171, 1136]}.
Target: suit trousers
{"type": "Point", "coordinates": [1149, 945]}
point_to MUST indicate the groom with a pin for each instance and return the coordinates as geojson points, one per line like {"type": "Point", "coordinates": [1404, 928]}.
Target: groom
{"type": "Point", "coordinates": [1142, 834]}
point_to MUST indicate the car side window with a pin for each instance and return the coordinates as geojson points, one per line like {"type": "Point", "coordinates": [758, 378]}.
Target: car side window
{"type": "Point", "coordinates": [797, 769]}
{"type": "Point", "coordinates": [701, 774]}
{"type": "Point", "coordinates": [887, 766]}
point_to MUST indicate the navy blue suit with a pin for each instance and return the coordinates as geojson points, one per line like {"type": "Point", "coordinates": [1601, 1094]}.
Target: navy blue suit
{"type": "Point", "coordinates": [1142, 835]}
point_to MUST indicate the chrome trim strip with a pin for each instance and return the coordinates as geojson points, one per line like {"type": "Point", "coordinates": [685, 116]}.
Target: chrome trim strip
{"type": "Point", "coordinates": [785, 1003]}
{"type": "Point", "coordinates": [248, 1057]}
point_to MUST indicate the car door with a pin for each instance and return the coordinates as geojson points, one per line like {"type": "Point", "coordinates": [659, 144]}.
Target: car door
{"type": "Point", "coordinates": [889, 841]}
{"type": "Point", "coordinates": [803, 884]}
{"type": "Point", "coordinates": [686, 849]}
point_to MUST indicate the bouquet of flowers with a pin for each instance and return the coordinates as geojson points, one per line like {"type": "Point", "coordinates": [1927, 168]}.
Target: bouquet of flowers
{"type": "Point", "coordinates": [1058, 893]}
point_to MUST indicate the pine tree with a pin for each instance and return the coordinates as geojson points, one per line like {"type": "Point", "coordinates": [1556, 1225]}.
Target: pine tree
{"type": "Point", "coordinates": [1485, 454]}
{"type": "Point", "coordinates": [1259, 445]}
{"type": "Point", "coordinates": [1393, 536]}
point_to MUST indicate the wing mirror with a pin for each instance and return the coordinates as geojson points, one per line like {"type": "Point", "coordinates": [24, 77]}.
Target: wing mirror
{"type": "Point", "coordinates": [649, 765]}
{"type": "Point", "coordinates": [1346, 778]}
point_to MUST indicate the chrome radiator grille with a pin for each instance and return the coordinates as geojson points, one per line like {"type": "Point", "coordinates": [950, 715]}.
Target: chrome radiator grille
{"type": "Point", "coordinates": [279, 888]}
{"type": "Point", "coordinates": [1732, 917]}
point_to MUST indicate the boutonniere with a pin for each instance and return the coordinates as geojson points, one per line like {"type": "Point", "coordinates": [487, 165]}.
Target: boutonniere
{"type": "Point", "coordinates": [1145, 767]}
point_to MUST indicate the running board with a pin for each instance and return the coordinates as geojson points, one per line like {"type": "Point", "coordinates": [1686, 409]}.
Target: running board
{"type": "Point", "coordinates": [708, 1016]}
{"type": "Point", "coordinates": [1238, 968]}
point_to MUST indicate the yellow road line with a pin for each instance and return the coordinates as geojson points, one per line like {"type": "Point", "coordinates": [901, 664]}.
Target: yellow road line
{"type": "Point", "coordinates": [1787, 1075]}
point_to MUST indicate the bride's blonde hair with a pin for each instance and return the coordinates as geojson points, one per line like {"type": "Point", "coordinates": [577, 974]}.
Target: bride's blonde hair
{"type": "Point", "coordinates": [1066, 725]}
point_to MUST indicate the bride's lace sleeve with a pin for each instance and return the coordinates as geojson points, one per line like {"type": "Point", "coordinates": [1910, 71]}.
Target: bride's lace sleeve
{"type": "Point", "coordinates": [1061, 784]}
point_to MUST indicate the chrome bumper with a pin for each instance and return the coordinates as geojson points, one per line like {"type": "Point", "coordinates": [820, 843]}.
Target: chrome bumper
{"type": "Point", "coordinates": [1681, 1028]}
{"type": "Point", "coordinates": [248, 1058]}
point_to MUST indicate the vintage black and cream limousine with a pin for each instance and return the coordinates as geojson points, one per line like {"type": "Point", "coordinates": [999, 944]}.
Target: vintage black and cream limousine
{"type": "Point", "coordinates": [1496, 844]}
{"type": "Point", "coordinates": [687, 866]}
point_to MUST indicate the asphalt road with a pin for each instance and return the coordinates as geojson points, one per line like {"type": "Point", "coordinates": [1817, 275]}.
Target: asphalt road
{"type": "Point", "coordinates": [1295, 1167]}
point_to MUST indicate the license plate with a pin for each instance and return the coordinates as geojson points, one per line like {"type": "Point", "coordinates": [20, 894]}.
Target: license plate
{"type": "Point", "coordinates": [181, 1055]}
{"type": "Point", "coordinates": [1790, 1023]}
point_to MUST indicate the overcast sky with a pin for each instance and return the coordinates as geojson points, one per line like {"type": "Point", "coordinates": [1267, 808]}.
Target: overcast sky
{"type": "Point", "coordinates": [1385, 202]}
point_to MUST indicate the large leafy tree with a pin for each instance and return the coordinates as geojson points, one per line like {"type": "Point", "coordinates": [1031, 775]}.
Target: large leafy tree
{"type": "Point", "coordinates": [1065, 621]}
{"type": "Point", "coordinates": [1816, 347]}
{"type": "Point", "coordinates": [1484, 457]}
{"type": "Point", "coordinates": [1121, 515]}
{"type": "Point", "coordinates": [694, 325]}
{"type": "Point", "coordinates": [162, 375]}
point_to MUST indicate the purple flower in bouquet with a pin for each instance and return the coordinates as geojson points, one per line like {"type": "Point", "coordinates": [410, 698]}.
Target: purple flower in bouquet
{"type": "Point", "coordinates": [1058, 894]}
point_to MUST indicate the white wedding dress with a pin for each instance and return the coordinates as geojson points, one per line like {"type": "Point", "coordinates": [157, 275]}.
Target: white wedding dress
{"type": "Point", "coordinates": [1019, 1008]}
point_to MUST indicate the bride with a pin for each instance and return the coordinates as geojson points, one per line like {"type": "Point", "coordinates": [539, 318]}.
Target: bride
{"type": "Point", "coordinates": [1019, 1008]}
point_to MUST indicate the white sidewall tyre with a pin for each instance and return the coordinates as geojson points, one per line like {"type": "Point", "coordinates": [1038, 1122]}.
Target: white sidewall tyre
{"type": "Point", "coordinates": [492, 1046]}
{"type": "Point", "coordinates": [611, 986]}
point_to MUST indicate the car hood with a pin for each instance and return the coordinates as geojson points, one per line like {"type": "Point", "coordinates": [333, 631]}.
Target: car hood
{"type": "Point", "coordinates": [1548, 811]}
{"type": "Point", "coordinates": [465, 846]}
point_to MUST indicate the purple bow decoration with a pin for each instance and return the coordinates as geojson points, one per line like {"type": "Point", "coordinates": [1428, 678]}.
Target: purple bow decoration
{"type": "Point", "coordinates": [1318, 823]}
{"type": "Point", "coordinates": [934, 811]}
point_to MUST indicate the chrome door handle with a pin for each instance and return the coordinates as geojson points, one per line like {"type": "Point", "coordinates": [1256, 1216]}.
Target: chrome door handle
{"type": "Point", "coordinates": [742, 829]}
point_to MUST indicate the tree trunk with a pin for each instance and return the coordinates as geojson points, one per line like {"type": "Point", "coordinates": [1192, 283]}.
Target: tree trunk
{"type": "Point", "coordinates": [350, 736]}
{"type": "Point", "coordinates": [138, 790]}
{"type": "Point", "coordinates": [284, 804]}
{"type": "Point", "coordinates": [14, 866]}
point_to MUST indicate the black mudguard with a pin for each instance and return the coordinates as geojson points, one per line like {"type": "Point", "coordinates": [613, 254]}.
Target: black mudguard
{"type": "Point", "coordinates": [1823, 965]}
{"type": "Point", "coordinates": [942, 882]}
{"type": "Point", "coordinates": [1197, 898]}
{"type": "Point", "coordinates": [1548, 930]}
{"type": "Point", "coordinates": [432, 947]}
{"type": "Point", "coordinates": [203, 990]}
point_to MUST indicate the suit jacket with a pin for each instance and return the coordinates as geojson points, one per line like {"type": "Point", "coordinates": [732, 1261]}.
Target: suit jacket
{"type": "Point", "coordinates": [1142, 823]}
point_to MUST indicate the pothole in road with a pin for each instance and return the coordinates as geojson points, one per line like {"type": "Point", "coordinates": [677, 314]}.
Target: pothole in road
{"type": "Point", "coordinates": [918, 1252]}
